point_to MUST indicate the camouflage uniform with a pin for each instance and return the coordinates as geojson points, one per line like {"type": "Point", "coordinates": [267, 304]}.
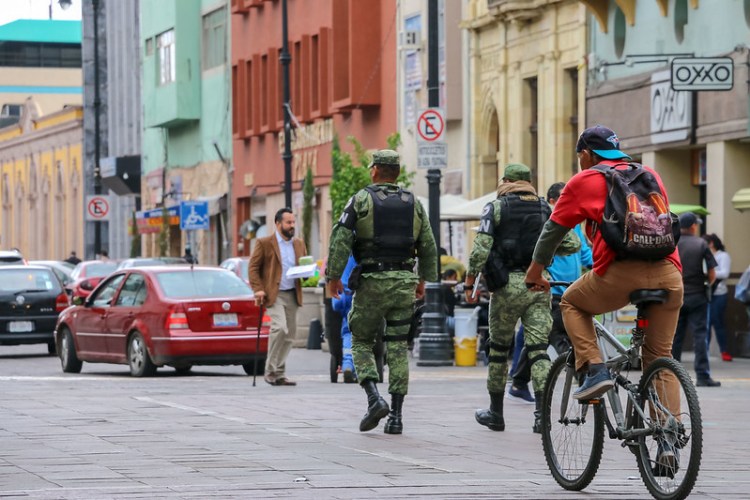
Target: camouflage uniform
{"type": "Point", "coordinates": [514, 301]}
{"type": "Point", "coordinates": [386, 295]}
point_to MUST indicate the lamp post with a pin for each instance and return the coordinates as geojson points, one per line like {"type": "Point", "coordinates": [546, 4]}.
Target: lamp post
{"type": "Point", "coordinates": [285, 58]}
{"type": "Point", "coordinates": [97, 127]}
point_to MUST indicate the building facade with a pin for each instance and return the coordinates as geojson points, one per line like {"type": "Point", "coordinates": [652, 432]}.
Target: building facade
{"type": "Point", "coordinates": [186, 122]}
{"type": "Point", "coordinates": [527, 62]}
{"type": "Point", "coordinates": [699, 140]}
{"type": "Point", "coordinates": [342, 70]}
{"type": "Point", "coordinates": [41, 183]}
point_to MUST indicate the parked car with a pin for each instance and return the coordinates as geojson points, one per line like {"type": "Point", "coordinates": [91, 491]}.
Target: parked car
{"type": "Point", "coordinates": [31, 298]}
{"type": "Point", "coordinates": [62, 269]}
{"type": "Point", "coordinates": [150, 262]}
{"type": "Point", "coordinates": [238, 265]}
{"type": "Point", "coordinates": [170, 315]}
{"type": "Point", "coordinates": [11, 257]}
{"type": "Point", "coordinates": [87, 275]}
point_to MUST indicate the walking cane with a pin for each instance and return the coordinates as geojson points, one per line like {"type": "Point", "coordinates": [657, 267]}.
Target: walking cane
{"type": "Point", "coordinates": [257, 344]}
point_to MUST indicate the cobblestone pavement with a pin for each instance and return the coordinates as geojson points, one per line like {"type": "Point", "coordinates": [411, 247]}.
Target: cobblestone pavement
{"type": "Point", "coordinates": [102, 434]}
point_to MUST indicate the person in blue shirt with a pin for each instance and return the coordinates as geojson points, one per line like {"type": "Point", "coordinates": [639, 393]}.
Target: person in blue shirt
{"type": "Point", "coordinates": [563, 268]}
{"type": "Point", "coordinates": [343, 305]}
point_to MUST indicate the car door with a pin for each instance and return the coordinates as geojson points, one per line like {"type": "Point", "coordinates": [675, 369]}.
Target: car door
{"type": "Point", "coordinates": [90, 324]}
{"type": "Point", "coordinates": [127, 305]}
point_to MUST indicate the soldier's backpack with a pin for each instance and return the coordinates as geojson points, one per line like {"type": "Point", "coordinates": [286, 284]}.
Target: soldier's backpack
{"type": "Point", "coordinates": [637, 223]}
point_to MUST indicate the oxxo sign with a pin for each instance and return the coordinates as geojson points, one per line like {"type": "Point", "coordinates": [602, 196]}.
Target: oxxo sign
{"type": "Point", "coordinates": [670, 110]}
{"type": "Point", "coordinates": [702, 73]}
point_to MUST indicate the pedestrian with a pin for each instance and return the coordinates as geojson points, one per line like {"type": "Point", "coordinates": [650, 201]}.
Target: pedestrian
{"type": "Point", "coordinates": [104, 256]}
{"type": "Point", "coordinates": [563, 268]}
{"type": "Point", "coordinates": [385, 227]}
{"type": "Point", "coordinates": [342, 305]}
{"type": "Point", "coordinates": [695, 256]}
{"type": "Point", "coordinates": [272, 258]}
{"type": "Point", "coordinates": [719, 295]}
{"type": "Point", "coordinates": [189, 257]}
{"type": "Point", "coordinates": [502, 250]}
{"type": "Point", "coordinates": [616, 272]}
{"type": "Point", "coordinates": [73, 259]}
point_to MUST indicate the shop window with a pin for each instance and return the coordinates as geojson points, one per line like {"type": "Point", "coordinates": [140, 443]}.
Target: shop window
{"type": "Point", "coordinates": [620, 32]}
{"type": "Point", "coordinates": [680, 19]}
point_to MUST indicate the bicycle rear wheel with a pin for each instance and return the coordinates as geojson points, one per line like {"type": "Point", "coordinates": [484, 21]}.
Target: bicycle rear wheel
{"type": "Point", "coordinates": [669, 459]}
{"type": "Point", "coordinates": [572, 433]}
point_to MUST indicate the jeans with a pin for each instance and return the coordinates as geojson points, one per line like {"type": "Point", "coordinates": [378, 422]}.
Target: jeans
{"type": "Point", "coordinates": [716, 310]}
{"type": "Point", "coordinates": [693, 314]}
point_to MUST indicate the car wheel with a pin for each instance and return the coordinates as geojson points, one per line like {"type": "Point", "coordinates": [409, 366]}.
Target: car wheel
{"type": "Point", "coordinates": [68, 357]}
{"type": "Point", "coordinates": [51, 348]}
{"type": "Point", "coordinates": [250, 367]}
{"type": "Point", "coordinates": [183, 370]}
{"type": "Point", "coordinates": [139, 360]}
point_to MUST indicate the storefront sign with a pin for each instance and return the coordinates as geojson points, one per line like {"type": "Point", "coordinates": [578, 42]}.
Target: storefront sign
{"type": "Point", "coordinates": [702, 73]}
{"type": "Point", "coordinates": [670, 110]}
{"type": "Point", "coordinates": [150, 221]}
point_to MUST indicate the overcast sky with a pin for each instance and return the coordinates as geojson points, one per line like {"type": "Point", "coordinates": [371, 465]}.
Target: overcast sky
{"type": "Point", "coordinates": [10, 10]}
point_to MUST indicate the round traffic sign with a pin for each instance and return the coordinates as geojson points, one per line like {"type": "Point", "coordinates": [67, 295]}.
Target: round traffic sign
{"type": "Point", "coordinates": [98, 207]}
{"type": "Point", "coordinates": [431, 125]}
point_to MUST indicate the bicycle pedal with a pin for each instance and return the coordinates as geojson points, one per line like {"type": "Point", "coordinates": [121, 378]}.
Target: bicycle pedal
{"type": "Point", "coordinates": [596, 401]}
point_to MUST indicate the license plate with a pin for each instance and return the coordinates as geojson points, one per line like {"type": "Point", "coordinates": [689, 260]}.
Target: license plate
{"type": "Point", "coordinates": [20, 326]}
{"type": "Point", "coordinates": [229, 319]}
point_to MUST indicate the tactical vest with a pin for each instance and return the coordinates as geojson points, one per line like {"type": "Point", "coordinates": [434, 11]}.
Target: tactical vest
{"type": "Point", "coordinates": [393, 227]}
{"type": "Point", "coordinates": [522, 217]}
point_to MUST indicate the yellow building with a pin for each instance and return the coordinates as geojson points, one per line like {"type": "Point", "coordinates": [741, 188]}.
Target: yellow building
{"type": "Point", "coordinates": [41, 183]}
{"type": "Point", "coordinates": [528, 88]}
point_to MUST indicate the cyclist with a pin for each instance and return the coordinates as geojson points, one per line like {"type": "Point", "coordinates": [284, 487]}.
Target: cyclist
{"type": "Point", "coordinates": [608, 287]}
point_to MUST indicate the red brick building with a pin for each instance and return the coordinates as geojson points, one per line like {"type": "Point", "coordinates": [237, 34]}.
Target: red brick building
{"type": "Point", "coordinates": [342, 81]}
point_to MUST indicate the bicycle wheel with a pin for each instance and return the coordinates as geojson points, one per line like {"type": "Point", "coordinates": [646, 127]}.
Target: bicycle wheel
{"type": "Point", "coordinates": [572, 432]}
{"type": "Point", "coordinates": [669, 459]}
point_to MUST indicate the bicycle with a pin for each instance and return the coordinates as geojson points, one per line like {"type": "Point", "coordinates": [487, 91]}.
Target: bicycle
{"type": "Point", "coordinates": [661, 423]}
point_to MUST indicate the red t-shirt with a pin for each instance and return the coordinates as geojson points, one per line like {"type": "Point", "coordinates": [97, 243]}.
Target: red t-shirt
{"type": "Point", "coordinates": [583, 199]}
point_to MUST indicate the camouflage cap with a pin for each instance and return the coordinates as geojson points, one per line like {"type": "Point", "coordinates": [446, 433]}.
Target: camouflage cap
{"type": "Point", "coordinates": [385, 157]}
{"type": "Point", "coordinates": [517, 172]}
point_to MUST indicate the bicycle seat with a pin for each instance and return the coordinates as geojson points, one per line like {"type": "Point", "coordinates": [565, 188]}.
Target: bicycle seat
{"type": "Point", "coordinates": [647, 296]}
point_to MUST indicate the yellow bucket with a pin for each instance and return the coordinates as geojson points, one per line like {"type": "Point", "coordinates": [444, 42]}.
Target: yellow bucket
{"type": "Point", "coordinates": [466, 351]}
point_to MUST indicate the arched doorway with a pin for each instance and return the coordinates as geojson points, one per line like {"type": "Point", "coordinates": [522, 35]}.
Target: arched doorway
{"type": "Point", "coordinates": [490, 146]}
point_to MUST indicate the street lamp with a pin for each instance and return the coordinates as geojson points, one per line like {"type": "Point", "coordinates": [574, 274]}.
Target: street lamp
{"type": "Point", "coordinates": [64, 5]}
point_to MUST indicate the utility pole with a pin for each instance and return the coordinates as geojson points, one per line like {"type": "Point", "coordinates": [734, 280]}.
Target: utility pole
{"type": "Point", "coordinates": [97, 130]}
{"type": "Point", "coordinates": [435, 345]}
{"type": "Point", "coordinates": [285, 59]}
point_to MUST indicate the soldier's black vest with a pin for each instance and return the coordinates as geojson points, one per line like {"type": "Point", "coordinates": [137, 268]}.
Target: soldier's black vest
{"type": "Point", "coordinates": [393, 227]}
{"type": "Point", "coordinates": [522, 217]}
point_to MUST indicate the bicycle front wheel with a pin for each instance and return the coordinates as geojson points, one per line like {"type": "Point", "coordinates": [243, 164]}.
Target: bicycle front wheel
{"type": "Point", "coordinates": [670, 457]}
{"type": "Point", "coordinates": [572, 432]}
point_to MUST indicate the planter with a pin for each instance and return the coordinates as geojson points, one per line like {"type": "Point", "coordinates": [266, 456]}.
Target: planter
{"type": "Point", "coordinates": [312, 308]}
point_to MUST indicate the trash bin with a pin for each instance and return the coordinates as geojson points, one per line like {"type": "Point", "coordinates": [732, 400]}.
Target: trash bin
{"type": "Point", "coordinates": [315, 334]}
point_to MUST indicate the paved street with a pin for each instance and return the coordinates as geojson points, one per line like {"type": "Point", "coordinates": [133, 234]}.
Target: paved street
{"type": "Point", "coordinates": [103, 434]}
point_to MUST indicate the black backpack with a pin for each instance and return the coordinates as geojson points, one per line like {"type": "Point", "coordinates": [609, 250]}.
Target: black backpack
{"type": "Point", "coordinates": [637, 223]}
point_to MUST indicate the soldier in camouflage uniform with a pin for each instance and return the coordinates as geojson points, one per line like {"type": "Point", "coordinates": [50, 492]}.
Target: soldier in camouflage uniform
{"type": "Point", "coordinates": [503, 248]}
{"type": "Point", "coordinates": [385, 227]}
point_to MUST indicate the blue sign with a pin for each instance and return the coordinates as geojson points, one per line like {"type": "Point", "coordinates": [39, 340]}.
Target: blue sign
{"type": "Point", "coordinates": [194, 215]}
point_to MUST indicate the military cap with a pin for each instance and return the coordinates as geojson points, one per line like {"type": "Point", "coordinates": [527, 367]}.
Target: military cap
{"type": "Point", "coordinates": [385, 157]}
{"type": "Point", "coordinates": [517, 172]}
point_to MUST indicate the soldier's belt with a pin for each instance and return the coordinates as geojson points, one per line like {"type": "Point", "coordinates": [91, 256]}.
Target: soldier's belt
{"type": "Point", "coordinates": [386, 266]}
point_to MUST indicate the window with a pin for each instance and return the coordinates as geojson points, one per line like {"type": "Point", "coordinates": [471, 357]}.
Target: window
{"type": "Point", "coordinates": [167, 63]}
{"type": "Point", "coordinates": [620, 32]}
{"type": "Point", "coordinates": [133, 292]}
{"type": "Point", "coordinates": [149, 46]}
{"type": "Point", "coordinates": [40, 55]}
{"type": "Point", "coordinates": [215, 38]}
{"type": "Point", "coordinates": [105, 295]}
{"type": "Point", "coordinates": [746, 4]}
{"type": "Point", "coordinates": [203, 283]}
{"type": "Point", "coordinates": [680, 19]}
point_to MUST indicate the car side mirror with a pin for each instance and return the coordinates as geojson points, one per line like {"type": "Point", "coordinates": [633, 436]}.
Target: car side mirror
{"type": "Point", "coordinates": [78, 301]}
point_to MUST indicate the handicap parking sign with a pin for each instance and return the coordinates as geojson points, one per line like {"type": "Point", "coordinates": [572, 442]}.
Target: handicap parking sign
{"type": "Point", "coordinates": [194, 215]}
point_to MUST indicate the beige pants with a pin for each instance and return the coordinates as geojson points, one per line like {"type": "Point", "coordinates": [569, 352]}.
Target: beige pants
{"type": "Point", "coordinates": [593, 294]}
{"type": "Point", "coordinates": [283, 314]}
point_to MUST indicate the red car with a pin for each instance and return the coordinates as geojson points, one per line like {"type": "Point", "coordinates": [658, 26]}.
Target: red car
{"type": "Point", "coordinates": [87, 275]}
{"type": "Point", "coordinates": [238, 265]}
{"type": "Point", "coordinates": [156, 316]}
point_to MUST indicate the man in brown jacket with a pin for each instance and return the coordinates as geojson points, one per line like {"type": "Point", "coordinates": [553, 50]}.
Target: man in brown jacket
{"type": "Point", "coordinates": [282, 296]}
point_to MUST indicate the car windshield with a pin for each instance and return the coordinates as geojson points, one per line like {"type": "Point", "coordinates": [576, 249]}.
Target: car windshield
{"type": "Point", "coordinates": [244, 265]}
{"type": "Point", "coordinates": [98, 269]}
{"type": "Point", "coordinates": [28, 280]}
{"type": "Point", "coordinates": [202, 284]}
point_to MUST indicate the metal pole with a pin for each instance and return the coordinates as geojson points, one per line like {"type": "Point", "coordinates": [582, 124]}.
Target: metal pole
{"type": "Point", "coordinates": [435, 345]}
{"type": "Point", "coordinates": [285, 58]}
{"type": "Point", "coordinates": [97, 129]}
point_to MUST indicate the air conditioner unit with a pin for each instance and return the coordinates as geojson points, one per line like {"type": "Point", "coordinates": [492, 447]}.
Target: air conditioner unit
{"type": "Point", "coordinates": [410, 40]}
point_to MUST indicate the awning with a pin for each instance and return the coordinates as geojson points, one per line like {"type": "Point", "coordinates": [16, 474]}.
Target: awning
{"type": "Point", "coordinates": [213, 203]}
{"type": "Point", "coordinates": [741, 199]}
{"type": "Point", "coordinates": [448, 203]}
{"type": "Point", "coordinates": [679, 208]}
{"type": "Point", "coordinates": [470, 210]}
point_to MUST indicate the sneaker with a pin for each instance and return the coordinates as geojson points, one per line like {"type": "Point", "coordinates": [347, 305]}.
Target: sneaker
{"type": "Point", "coordinates": [707, 382]}
{"type": "Point", "coordinates": [522, 394]}
{"type": "Point", "coordinates": [725, 356]}
{"type": "Point", "coordinates": [667, 461]}
{"type": "Point", "coordinates": [594, 386]}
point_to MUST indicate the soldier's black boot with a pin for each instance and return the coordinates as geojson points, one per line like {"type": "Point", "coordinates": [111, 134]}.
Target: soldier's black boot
{"type": "Point", "coordinates": [537, 428]}
{"type": "Point", "coordinates": [394, 425]}
{"type": "Point", "coordinates": [377, 408]}
{"type": "Point", "coordinates": [492, 418]}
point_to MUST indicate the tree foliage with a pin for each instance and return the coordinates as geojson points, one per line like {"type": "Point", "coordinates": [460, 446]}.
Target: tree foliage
{"type": "Point", "coordinates": [349, 177]}
{"type": "Point", "coordinates": [308, 193]}
{"type": "Point", "coordinates": [135, 242]}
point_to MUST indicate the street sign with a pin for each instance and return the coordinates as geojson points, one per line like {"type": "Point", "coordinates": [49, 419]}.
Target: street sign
{"type": "Point", "coordinates": [431, 126]}
{"type": "Point", "coordinates": [702, 73]}
{"type": "Point", "coordinates": [194, 215]}
{"type": "Point", "coordinates": [432, 155]}
{"type": "Point", "coordinates": [97, 208]}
